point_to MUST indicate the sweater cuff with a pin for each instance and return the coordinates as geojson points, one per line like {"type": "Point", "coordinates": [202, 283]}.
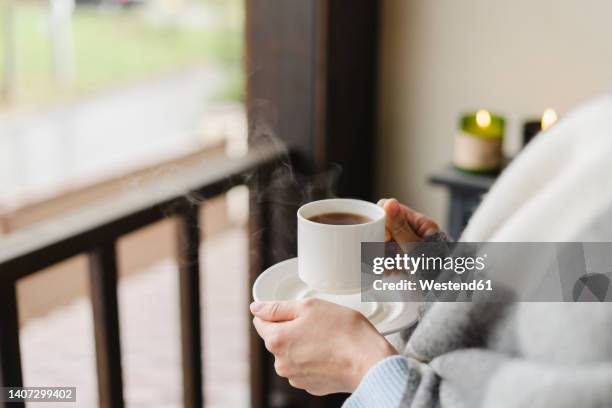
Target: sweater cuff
{"type": "Point", "coordinates": [383, 386]}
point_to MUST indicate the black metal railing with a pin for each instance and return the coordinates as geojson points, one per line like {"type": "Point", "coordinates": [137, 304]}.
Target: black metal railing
{"type": "Point", "coordinates": [95, 230]}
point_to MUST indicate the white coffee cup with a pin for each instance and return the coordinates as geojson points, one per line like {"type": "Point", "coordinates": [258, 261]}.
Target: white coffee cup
{"type": "Point", "coordinates": [329, 256]}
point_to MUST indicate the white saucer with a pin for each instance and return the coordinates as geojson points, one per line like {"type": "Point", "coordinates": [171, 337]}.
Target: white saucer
{"type": "Point", "coordinates": [281, 282]}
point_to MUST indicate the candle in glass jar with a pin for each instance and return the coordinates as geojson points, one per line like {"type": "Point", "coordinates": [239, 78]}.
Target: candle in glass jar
{"type": "Point", "coordinates": [478, 144]}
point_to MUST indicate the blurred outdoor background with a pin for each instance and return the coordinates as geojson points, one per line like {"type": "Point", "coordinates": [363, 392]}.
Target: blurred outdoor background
{"type": "Point", "coordinates": [99, 96]}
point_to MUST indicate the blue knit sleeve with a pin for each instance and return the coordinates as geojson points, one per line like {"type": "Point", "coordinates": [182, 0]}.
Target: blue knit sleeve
{"type": "Point", "coordinates": [383, 386]}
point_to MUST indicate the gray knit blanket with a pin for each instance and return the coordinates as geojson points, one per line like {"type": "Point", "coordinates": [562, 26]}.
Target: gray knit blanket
{"type": "Point", "coordinates": [511, 355]}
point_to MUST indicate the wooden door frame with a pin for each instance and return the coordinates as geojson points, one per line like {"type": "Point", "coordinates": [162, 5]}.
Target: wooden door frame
{"type": "Point", "coordinates": [311, 68]}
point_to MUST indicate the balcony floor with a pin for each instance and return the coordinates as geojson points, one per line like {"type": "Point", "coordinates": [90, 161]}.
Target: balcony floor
{"type": "Point", "coordinates": [58, 349]}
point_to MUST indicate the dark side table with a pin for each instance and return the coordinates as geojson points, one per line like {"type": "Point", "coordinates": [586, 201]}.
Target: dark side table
{"type": "Point", "coordinates": [465, 194]}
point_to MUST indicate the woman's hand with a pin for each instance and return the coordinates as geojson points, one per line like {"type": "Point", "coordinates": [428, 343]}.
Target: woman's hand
{"type": "Point", "coordinates": [319, 346]}
{"type": "Point", "coordinates": [403, 224]}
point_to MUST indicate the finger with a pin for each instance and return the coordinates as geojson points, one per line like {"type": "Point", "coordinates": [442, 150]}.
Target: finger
{"type": "Point", "coordinates": [262, 327]}
{"type": "Point", "coordinates": [381, 203]}
{"type": "Point", "coordinates": [388, 236]}
{"type": "Point", "coordinates": [422, 225]}
{"type": "Point", "coordinates": [271, 334]}
{"type": "Point", "coordinates": [275, 311]}
{"type": "Point", "coordinates": [429, 228]}
{"type": "Point", "coordinates": [297, 382]}
{"type": "Point", "coordinates": [397, 224]}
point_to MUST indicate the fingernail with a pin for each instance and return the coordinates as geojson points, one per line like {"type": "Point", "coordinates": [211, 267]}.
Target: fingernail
{"type": "Point", "coordinates": [429, 232]}
{"type": "Point", "coordinates": [393, 208]}
{"type": "Point", "coordinates": [256, 306]}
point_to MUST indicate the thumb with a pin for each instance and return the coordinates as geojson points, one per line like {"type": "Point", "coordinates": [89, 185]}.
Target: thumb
{"type": "Point", "coordinates": [275, 311]}
{"type": "Point", "coordinates": [397, 223]}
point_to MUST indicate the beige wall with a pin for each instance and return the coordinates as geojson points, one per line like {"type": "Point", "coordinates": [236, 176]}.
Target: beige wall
{"type": "Point", "coordinates": [442, 57]}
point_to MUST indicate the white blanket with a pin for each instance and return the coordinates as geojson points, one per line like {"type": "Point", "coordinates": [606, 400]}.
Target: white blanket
{"type": "Point", "coordinates": [556, 186]}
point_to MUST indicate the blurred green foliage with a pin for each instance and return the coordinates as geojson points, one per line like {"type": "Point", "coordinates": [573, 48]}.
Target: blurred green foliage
{"type": "Point", "coordinates": [118, 46]}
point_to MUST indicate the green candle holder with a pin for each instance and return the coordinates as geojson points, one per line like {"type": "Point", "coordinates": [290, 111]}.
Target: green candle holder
{"type": "Point", "coordinates": [494, 130]}
{"type": "Point", "coordinates": [478, 144]}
